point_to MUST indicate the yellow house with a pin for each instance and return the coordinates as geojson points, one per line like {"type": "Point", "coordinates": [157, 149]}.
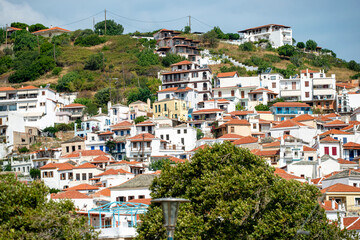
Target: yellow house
{"type": "Point", "coordinates": [235, 126]}
{"type": "Point", "coordinates": [171, 108]}
{"type": "Point", "coordinates": [344, 194]}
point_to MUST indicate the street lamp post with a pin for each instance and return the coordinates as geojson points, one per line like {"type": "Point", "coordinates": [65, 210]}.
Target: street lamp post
{"type": "Point", "coordinates": [170, 208]}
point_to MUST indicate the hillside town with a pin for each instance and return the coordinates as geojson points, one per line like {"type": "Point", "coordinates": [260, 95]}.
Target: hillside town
{"type": "Point", "coordinates": [306, 126]}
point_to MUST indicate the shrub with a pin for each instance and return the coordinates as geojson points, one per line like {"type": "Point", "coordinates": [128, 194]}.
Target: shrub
{"type": "Point", "coordinates": [95, 62]}
{"type": "Point", "coordinates": [300, 45]}
{"type": "Point", "coordinates": [23, 150]}
{"type": "Point", "coordinates": [286, 50]}
{"type": "Point", "coordinates": [140, 119]}
{"type": "Point", "coordinates": [147, 58]}
{"type": "Point", "coordinates": [171, 58]}
{"type": "Point", "coordinates": [248, 46]}
{"type": "Point", "coordinates": [262, 107]}
{"type": "Point", "coordinates": [272, 58]}
{"type": "Point", "coordinates": [56, 71]}
{"type": "Point", "coordinates": [89, 40]}
{"type": "Point", "coordinates": [352, 65]}
{"type": "Point", "coordinates": [64, 82]}
{"type": "Point", "coordinates": [297, 60]}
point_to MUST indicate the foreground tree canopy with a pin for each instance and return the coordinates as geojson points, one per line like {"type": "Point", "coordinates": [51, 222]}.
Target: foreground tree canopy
{"type": "Point", "coordinates": [235, 195]}
{"type": "Point", "coordinates": [26, 213]}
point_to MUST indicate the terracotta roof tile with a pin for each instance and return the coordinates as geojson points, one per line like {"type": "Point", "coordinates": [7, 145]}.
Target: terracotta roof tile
{"type": "Point", "coordinates": [82, 187]}
{"type": "Point", "coordinates": [351, 145]}
{"type": "Point", "coordinates": [70, 194]}
{"type": "Point", "coordinates": [245, 140]}
{"type": "Point", "coordinates": [283, 174]}
{"type": "Point", "coordinates": [335, 122]}
{"type": "Point", "coordinates": [241, 113]}
{"type": "Point", "coordinates": [112, 171]}
{"type": "Point", "coordinates": [146, 123]}
{"type": "Point", "coordinates": [59, 166]}
{"type": "Point", "coordinates": [207, 138]}
{"type": "Point", "coordinates": [212, 110]}
{"type": "Point", "coordinates": [142, 136]}
{"type": "Point", "coordinates": [267, 152]}
{"type": "Point", "coordinates": [332, 115]}
{"type": "Point", "coordinates": [308, 149]}
{"type": "Point", "coordinates": [200, 147]}
{"type": "Point", "coordinates": [51, 29]}
{"type": "Point", "coordinates": [303, 117]}
{"type": "Point", "coordinates": [343, 161]}
{"type": "Point", "coordinates": [102, 193]}
{"type": "Point", "coordinates": [74, 105]}
{"type": "Point", "coordinates": [328, 139]}
{"type": "Point", "coordinates": [85, 165]}
{"type": "Point", "coordinates": [230, 136]}
{"type": "Point", "coordinates": [334, 131]}
{"type": "Point", "coordinates": [288, 123]}
{"type": "Point", "coordinates": [146, 201]}
{"type": "Point", "coordinates": [339, 187]}
{"type": "Point", "coordinates": [106, 133]}
{"type": "Point", "coordinates": [185, 62]}
{"type": "Point", "coordinates": [226, 74]}
{"type": "Point", "coordinates": [238, 122]}
{"type": "Point", "coordinates": [310, 71]}
{"type": "Point", "coordinates": [327, 205]}
{"type": "Point", "coordinates": [272, 144]}
{"type": "Point", "coordinates": [2, 89]}
{"type": "Point", "coordinates": [27, 88]}
{"type": "Point", "coordinates": [86, 153]}
{"type": "Point", "coordinates": [352, 223]}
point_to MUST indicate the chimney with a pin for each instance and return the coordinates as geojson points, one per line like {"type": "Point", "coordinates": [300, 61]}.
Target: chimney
{"type": "Point", "coordinates": [100, 110]}
{"type": "Point", "coordinates": [148, 103]}
{"type": "Point", "coordinates": [27, 29]}
{"type": "Point", "coordinates": [333, 204]}
{"type": "Point", "coordinates": [51, 26]}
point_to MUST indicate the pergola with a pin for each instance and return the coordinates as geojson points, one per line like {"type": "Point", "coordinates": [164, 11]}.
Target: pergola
{"type": "Point", "coordinates": [117, 209]}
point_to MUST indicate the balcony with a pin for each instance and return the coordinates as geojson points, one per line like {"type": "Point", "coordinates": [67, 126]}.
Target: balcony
{"type": "Point", "coordinates": [324, 91]}
{"type": "Point", "coordinates": [289, 93]}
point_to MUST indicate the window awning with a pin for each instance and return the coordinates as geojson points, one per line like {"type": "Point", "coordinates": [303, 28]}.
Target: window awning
{"type": "Point", "coordinates": [22, 104]}
{"type": "Point", "coordinates": [32, 92]}
{"type": "Point", "coordinates": [2, 94]}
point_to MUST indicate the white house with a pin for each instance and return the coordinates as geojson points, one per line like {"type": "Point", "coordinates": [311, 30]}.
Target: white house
{"type": "Point", "coordinates": [82, 202]}
{"type": "Point", "coordinates": [57, 175]}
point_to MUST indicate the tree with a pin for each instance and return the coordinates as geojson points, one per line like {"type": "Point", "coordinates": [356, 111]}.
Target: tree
{"type": "Point", "coordinates": [311, 45]}
{"type": "Point", "coordinates": [26, 212]}
{"type": "Point", "coordinates": [64, 82]}
{"type": "Point", "coordinates": [111, 145]}
{"type": "Point", "coordinates": [199, 134]}
{"type": "Point", "coordinates": [352, 65]}
{"type": "Point", "coordinates": [91, 108]}
{"type": "Point", "coordinates": [147, 57]}
{"type": "Point", "coordinates": [89, 40]}
{"type": "Point", "coordinates": [23, 150]}
{"type": "Point", "coordinates": [140, 119]}
{"type": "Point", "coordinates": [286, 50]}
{"type": "Point", "coordinates": [112, 28]}
{"type": "Point", "coordinates": [19, 25]}
{"type": "Point", "coordinates": [187, 29]}
{"type": "Point", "coordinates": [239, 107]}
{"type": "Point", "coordinates": [235, 195]}
{"type": "Point", "coordinates": [248, 46]}
{"type": "Point", "coordinates": [210, 39]}
{"type": "Point", "coordinates": [140, 94]}
{"type": "Point", "coordinates": [24, 41]}
{"type": "Point", "coordinates": [159, 164]}
{"type": "Point", "coordinates": [171, 58]}
{"type": "Point", "coordinates": [35, 173]}
{"type": "Point", "coordinates": [102, 97]}
{"type": "Point", "coordinates": [262, 107]}
{"type": "Point", "coordinates": [300, 45]}
{"type": "Point", "coordinates": [95, 62]}
{"type": "Point", "coordinates": [36, 27]}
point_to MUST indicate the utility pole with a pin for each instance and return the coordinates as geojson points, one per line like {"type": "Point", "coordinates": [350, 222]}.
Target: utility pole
{"type": "Point", "coordinates": [39, 43]}
{"type": "Point", "coordinates": [54, 53]}
{"type": "Point", "coordinates": [6, 30]}
{"type": "Point", "coordinates": [190, 23]}
{"type": "Point", "coordinates": [94, 24]}
{"type": "Point", "coordinates": [105, 21]}
{"type": "Point", "coordinates": [109, 88]}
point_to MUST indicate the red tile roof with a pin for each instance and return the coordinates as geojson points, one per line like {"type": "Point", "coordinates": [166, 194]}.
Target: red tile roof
{"type": "Point", "coordinates": [328, 139]}
{"type": "Point", "coordinates": [2, 89]}
{"type": "Point", "coordinates": [245, 140]}
{"type": "Point", "coordinates": [230, 136]}
{"type": "Point", "coordinates": [303, 117]}
{"type": "Point", "coordinates": [310, 71]}
{"type": "Point", "coordinates": [82, 187]}
{"type": "Point", "coordinates": [260, 90]}
{"type": "Point", "coordinates": [283, 174]}
{"type": "Point", "coordinates": [226, 74]}
{"type": "Point", "coordinates": [102, 158]}
{"type": "Point", "coordinates": [264, 26]}
{"type": "Point", "coordinates": [334, 131]}
{"type": "Point", "coordinates": [266, 152]}
{"type": "Point", "coordinates": [27, 88]}
{"type": "Point", "coordinates": [352, 223]}
{"type": "Point", "coordinates": [290, 104]}
{"type": "Point", "coordinates": [185, 62]}
{"type": "Point", "coordinates": [327, 205]}
{"type": "Point", "coordinates": [343, 161]}
{"type": "Point", "coordinates": [106, 133]}
{"type": "Point", "coordinates": [241, 113]}
{"type": "Point", "coordinates": [71, 194]}
{"type": "Point", "coordinates": [51, 29]}
{"type": "Point", "coordinates": [146, 123]}
{"type": "Point", "coordinates": [332, 115]}
{"type": "Point", "coordinates": [142, 136]}
{"type": "Point", "coordinates": [272, 144]}
{"type": "Point", "coordinates": [351, 145]}
{"type": "Point", "coordinates": [112, 171]}
{"type": "Point", "coordinates": [335, 122]}
{"type": "Point", "coordinates": [288, 123]}
{"type": "Point", "coordinates": [102, 193]}
{"type": "Point", "coordinates": [339, 187]}
{"type": "Point", "coordinates": [122, 124]}
{"type": "Point", "coordinates": [126, 162]}
{"type": "Point", "coordinates": [84, 153]}
{"type": "Point", "coordinates": [59, 166]}
{"type": "Point", "coordinates": [75, 105]}
{"type": "Point", "coordinates": [212, 110]}
{"type": "Point", "coordinates": [308, 149]}
{"type": "Point", "coordinates": [238, 122]}
{"type": "Point", "coordinates": [200, 147]}
{"type": "Point", "coordinates": [207, 138]}
{"type": "Point", "coordinates": [86, 165]}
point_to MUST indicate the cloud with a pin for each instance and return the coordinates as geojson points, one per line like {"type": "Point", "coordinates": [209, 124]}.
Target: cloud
{"type": "Point", "coordinates": [19, 12]}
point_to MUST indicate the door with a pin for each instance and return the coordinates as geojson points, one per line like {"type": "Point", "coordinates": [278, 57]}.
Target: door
{"type": "Point", "coordinates": [293, 85]}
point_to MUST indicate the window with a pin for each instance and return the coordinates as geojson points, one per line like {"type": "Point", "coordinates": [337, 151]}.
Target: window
{"type": "Point", "coordinates": [79, 147]}
{"type": "Point", "coordinates": [121, 199]}
{"type": "Point", "coordinates": [143, 129]}
{"type": "Point", "coordinates": [167, 137]}
{"type": "Point", "coordinates": [78, 177]}
{"type": "Point", "coordinates": [73, 148]}
{"type": "Point", "coordinates": [67, 149]}
{"type": "Point", "coordinates": [307, 94]}
{"type": "Point", "coordinates": [165, 107]}
{"type": "Point", "coordinates": [326, 150]}
{"type": "Point", "coordinates": [178, 131]}
{"type": "Point", "coordinates": [84, 176]}
{"type": "Point", "coordinates": [167, 95]}
{"type": "Point", "coordinates": [232, 93]}
{"type": "Point", "coordinates": [219, 94]}
{"type": "Point", "coordinates": [273, 77]}
{"type": "Point", "coordinates": [156, 108]}
{"type": "Point", "coordinates": [90, 175]}
{"type": "Point", "coordinates": [141, 196]}
{"type": "Point", "coordinates": [162, 136]}
{"type": "Point", "coordinates": [344, 140]}
{"type": "Point", "coordinates": [334, 151]}
{"type": "Point", "coordinates": [355, 184]}
{"type": "Point", "coordinates": [357, 201]}
{"type": "Point", "coordinates": [286, 132]}
{"type": "Point", "coordinates": [311, 158]}
{"type": "Point", "coordinates": [185, 131]}
{"type": "Point", "coordinates": [242, 94]}
{"type": "Point", "coordinates": [274, 85]}
{"type": "Point", "coordinates": [70, 175]}
{"type": "Point", "coordinates": [254, 125]}
{"type": "Point", "coordinates": [148, 144]}
{"type": "Point", "coordinates": [195, 74]}
{"type": "Point", "coordinates": [63, 176]}
{"type": "Point", "coordinates": [176, 108]}
{"type": "Point", "coordinates": [306, 83]}
{"type": "Point", "coordinates": [195, 85]}
{"type": "Point", "coordinates": [302, 175]}
{"type": "Point", "coordinates": [43, 93]}
{"type": "Point", "coordinates": [131, 198]}
{"type": "Point", "coordinates": [232, 129]}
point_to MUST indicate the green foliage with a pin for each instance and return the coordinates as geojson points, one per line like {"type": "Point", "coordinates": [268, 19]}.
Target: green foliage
{"type": "Point", "coordinates": [56, 71]}
{"type": "Point", "coordinates": [248, 46]}
{"type": "Point", "coordinates": [140, 94]}
{"type": "Point", "coordinates": [153, 85]}
{"type": "Point", "coordinates": [262, 107]}
{"type": "Point", "coordinates": [148, 43]}
{"type": "Point", "coordinates": [240, 70]}
{"type": "Point", "coordinates": [159, 164]}
{"type": "Point", "coordinates": [95, 62]}
{"type": "Point", "coordinates": [271, 58]}
{"type": "Point", "coordinates": [239, 107]}
{"type": "Point", "coordinates": [199, 134]}
{"type": "Point", "coordinates": [352, 65]}
{"type": "Point", "coordinates": [27, 213]}
{"type": "Point", "coordinates": [52, 130]}
{"type": "Point", "coordinates": [35, 173]}
{"type": "Point", "coordinates": [220, 34]}
{"type": "Point", "coordinates": [321, 61]}
{"type": "Point", "coordinates": [289, 71]}
{"type": "Point", "coordinates": [19, 25]}
{"type": "Point", "coordinates": [65, 127]}
{"type": "Point", "coordinates": [91, 108]}
{"type": "Point", "coordinates": [111, 145]}
{"type": "Point", "coordinates": [23, 150]}
{"type": "Point", "coordinates": [102, 97]}
{"type": "Point", "coordinates": [171, 58]}
{"type": "Point", "coordinates": [355, 76]}
{"type": "Point", "coordinates": [54, 190]}
{"type": "Point", "coordinates": [147, 58]}
{"type": "Point", "coordinates": [2, 35]}
{"type": "Point", "coordinates": [24, 41]}
{"type": "Point", "coordinates": [187, 29]}
{"type": "Point", "coordinates": [6, 63]}
{"type": "Point", "coordinates": [64, 82]}
{"type": "Point", "coordinates": [112, 28]}
{"type": "Point", "coordinates": [210, 39]}
{"type": "Point", "coordinates": [8, 168]}
{"type": "Point", "coordinates": [61, 40]}
{"type": "Point", "coordinates": [36, 27]}
{"type": "Point", "coordinates": [311, 45]}
{"type": "Point", "coordinates": [89, 40]}
{"type": "Point", "coordinates": [297, 60]}
{"type": "Point", "coordinates": [300, 45]}
{"type": "Point", "coordinates": [286, 50]}
{"type": "Point", "coordinates": [233, 36]}
{"type": "Point", "coordinates": [140, 119]}
{"type": "Point", "coordinates": [235, 195]}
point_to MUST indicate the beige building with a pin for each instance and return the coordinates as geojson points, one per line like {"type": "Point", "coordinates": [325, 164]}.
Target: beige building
{"type": "Point", "coordinates": [235, 126]}
{"type": "Point", "coordinates": [27, 138]}
{"type": "Point", "coordinates": [72, 145]}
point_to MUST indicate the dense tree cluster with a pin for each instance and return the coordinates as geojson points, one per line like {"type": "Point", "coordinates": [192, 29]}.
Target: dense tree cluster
{"type": "Point", "coordinates": [112, 28]}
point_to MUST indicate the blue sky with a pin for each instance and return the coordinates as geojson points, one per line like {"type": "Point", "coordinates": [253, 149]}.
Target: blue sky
{"type": "Point", "coordinates": [333, 24]}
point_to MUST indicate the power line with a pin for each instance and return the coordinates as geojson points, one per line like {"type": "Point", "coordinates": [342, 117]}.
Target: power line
{"type": "Point", "coordinates": [127, 24]}
{"type": "Point", "coordinates": [136, 20]}
{"type": "Point", "coordinates": [82, 19]}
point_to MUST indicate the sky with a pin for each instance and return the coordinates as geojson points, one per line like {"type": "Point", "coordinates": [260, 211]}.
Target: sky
{"type": "Point", "coordinates": [333, 24]}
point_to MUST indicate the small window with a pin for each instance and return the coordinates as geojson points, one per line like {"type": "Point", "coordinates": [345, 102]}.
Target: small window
{"type": "Point", "coordinates": [141, 196]}
{"type": "Point", "coordinates": [254, 125]}
{"type": "Point", "coordinates": [232, 93]}
{"type": "Point", "coordinates": [167, 137]}
{"type": "Point", "coordinates": [306, 83]}
{"type": "Point", "coordinates": [90, 175]}
{"type": "Point", "coordinates": [274, 85]}
{"type": "Point", "coordinates": [131, 198]}
{"type": "Point", "coordinates": [357, 201]}
{"type": "Point", "coordinates": [67, 149]}
{"type": "Point", "coordinates": [84, 176]}
{"type": "Point", "coordinates": [79, 147]}
{"type": "Point", "coordinates": [185, 131]}
{"type": "Point", "coordinates": [334, 151]}
{"type": "Point", "coordinates": [355, 184]}
{"type": "Point", "coordinates": [78, 177]}
{"type": "Point", "coordinates": [43, 93]}
{"type": "Point", "coordinates": [232, 129]}
{"type": "Point", "coordinates": [307, 94]}
{"type": "Point", "coordinates": [178, 131]}
{"type": "Point", "coordinates": [219, 94]}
